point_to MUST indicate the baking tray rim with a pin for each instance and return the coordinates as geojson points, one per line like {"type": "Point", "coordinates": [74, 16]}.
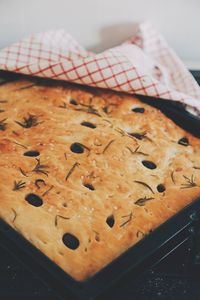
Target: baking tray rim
{"type": "Point", "coordinates": [88, 286]}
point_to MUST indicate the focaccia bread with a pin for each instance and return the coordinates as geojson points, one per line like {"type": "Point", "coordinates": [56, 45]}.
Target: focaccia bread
{"type": "Point", "coordinates": [84, 175]}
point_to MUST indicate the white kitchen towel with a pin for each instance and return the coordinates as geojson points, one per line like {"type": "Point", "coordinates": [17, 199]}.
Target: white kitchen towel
{"type": "Point", "coordinates": [144, 64]}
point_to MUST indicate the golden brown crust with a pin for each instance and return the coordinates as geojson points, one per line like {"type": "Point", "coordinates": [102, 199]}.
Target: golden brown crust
{"type": "Point", "coordinates": [125, 203]}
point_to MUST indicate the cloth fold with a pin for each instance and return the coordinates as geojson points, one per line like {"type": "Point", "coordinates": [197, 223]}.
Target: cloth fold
{"type": "Point", "coordinates": [144, 64]}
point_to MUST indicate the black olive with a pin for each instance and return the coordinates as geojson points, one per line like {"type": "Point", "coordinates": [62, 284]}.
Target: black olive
{"type": "Point", "coordinates": [34, 200]}
{"type": "Point", "coordinates": [88, 124]}
{"type": "Point", "coordinates": [137, 135]}
{"type": "Point", "coordinates": [77, 148]}
{"type": "Point", "coordinates": [72, 101]}
{"type": "Point", "coordinates": [149, 164]}
{"type": "Point", "coordinates": [89, 186]}
{"type": "Point", "coordinates": [110, 221]}
{"type": "Point", "coordinates": [32, 153]}
{"type": "Point", "coordinates": [160, 188]}
{"type": "Point", "coordinates": [138, 110]}
{"type": "Point", "coordinates": [183, 141]}
{"type": "Point", "coordinates": [70, 241]}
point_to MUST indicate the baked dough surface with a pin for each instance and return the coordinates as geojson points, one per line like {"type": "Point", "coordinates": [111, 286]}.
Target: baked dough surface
{"type": "Point", "coordinates": [85, 175]}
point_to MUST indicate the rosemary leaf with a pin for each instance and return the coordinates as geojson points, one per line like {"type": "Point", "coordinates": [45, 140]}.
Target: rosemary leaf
{"type": "Point", "coordinates": [26, 87]}
{"type": "Point", "coordinates": [144, 184]}
{"type": "Point", "coordinates": [142, 201]}
{"type": "Point", "coordinates": [59, 216]}
{"type": "Point", "coordinates": [107, 146]}
{"type": "Point", "coordinates": [38, 181]}
{"type": "Point", "coordinates": [139, 136]}
{"type": "Point", "coordinates": [129, 218]}
{"type": "Point", "coordinates": [172, 177]}
{"type": "Point", "coordinates": [23, 146]}
{"type": "Point", "coordinates": [47, 191]}
{"type": "Point", "coordinates": [23, 172]}
{"type": "Point", "coordinates": [71, 170]}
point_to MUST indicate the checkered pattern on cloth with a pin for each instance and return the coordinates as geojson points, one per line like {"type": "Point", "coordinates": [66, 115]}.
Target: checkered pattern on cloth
{"type": "Point", "coordinates": [144, 64]}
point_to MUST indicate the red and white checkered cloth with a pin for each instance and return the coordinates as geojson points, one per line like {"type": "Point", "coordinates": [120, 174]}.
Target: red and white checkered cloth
{"type": "Point", "coordinates": [144, 64]}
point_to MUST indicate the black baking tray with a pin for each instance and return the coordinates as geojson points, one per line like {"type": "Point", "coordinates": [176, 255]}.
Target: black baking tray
{"type": "Point", "coordinates": [146, 253]}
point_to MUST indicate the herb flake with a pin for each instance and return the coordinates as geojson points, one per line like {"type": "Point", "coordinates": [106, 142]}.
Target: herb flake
{"type": "Point", "coordinates": [107, 146]}
{"type": "Point", "coordinates": [59, 216]}
{"type": "Point", "coordinates": [71, 170]}
{"type": "Point", "coordinates": [3, 125]}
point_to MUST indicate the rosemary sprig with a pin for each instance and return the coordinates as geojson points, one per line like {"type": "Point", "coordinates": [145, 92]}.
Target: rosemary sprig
{"type": "Point", "coordinates": [47, 191]}
{"type": "Point", "coordinates": [133, 135]}
{"type": "Point", "coordinates": [71, 170]}
{"type": "Point", "coordinates": [29, 122]}
{"type": "Point", "coordinates": [3, 125]}
{"type": "Point", "coordinates": [19, 185]}
{"type": "Point", "coordinates": [39, 168]}
{"type": "Point", "coordinates": [190, 183]}
{"type": "Point", "coordinates": [107, 146]}
{"type": "Point", "coordinates": [136, 151]}
{"type": "Point", "coordinates": [142, 201]}
{"type": "Point", "coordinates": [59, 216]}
{"type": "Point", "coordinates": [144, 184]}
{"type": "Point", "coordinates": [129, 218]}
